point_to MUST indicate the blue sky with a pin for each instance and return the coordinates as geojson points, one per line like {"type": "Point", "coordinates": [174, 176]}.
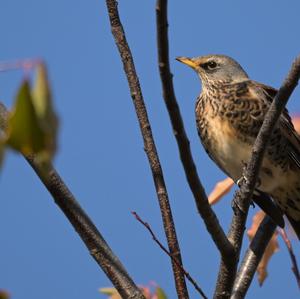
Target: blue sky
{"type": "Point", "coordinates": [101, 155]}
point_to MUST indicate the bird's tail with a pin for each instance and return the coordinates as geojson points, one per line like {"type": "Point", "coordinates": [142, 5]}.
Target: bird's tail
{"type": "Point", "coordinates": [295, 224]}
{"type": "Point", "coordinates": [289, 202]}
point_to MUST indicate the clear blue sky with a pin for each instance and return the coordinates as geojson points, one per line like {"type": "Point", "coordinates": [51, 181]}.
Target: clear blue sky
{"type": "Point", "coordinates": [101, 155]}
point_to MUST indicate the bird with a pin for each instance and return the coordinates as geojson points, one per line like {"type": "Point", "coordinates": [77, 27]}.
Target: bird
{"type": "Point", "coordinates": [229, 112]}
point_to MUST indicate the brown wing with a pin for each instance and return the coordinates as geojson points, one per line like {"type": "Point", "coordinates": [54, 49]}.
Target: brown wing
{"type": "Point", "coordinates": [245, 107]}
{"type": "Point", "coordinates": [285, 124]}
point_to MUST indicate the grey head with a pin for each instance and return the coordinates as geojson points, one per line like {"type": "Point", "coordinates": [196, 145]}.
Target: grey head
{"type": "Point", "coordinates": [214, 69]}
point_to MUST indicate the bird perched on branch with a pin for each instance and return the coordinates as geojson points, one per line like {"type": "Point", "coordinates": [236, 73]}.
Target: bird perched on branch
{"type": "Point", "coordinates": [229, 113]}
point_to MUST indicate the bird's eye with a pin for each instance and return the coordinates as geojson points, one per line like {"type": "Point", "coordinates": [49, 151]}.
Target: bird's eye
{"type": "Point", "coordinates": [210, 65]}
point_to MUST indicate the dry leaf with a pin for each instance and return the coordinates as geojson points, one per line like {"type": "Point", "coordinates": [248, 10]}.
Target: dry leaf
{"type": "Point", "coordinates": [296, 123]}
{"type": "Point", "coordinates": [270, 250]}
{"type": "Point", "coordinates": [220, 189]}
{"type": "Point", "coordinates": [146, 292]}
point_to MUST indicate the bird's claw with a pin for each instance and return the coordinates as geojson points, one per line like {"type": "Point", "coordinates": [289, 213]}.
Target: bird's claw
{"type": "Point", "coordinates": [240, 181]}
{"type": "Point", "coordinates": [244, 179]}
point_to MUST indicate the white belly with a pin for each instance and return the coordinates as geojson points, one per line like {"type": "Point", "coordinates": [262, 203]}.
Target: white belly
{"type": "Point", "coordinates": [232, 155]}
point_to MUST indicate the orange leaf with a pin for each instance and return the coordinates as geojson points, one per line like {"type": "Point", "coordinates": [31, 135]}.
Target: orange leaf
{"type": "Point", "coordinates": [270, 250]}
{"type": "Point", "coordinates": [296, 123]}
{"type": "Point", "coordinates": [220, 189]}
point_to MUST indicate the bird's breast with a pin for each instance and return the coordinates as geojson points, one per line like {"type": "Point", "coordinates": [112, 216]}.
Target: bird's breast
{"type": "Point", "coordinates": [225, 147]}
{"type": "Point", "coordinates": [231, 152]}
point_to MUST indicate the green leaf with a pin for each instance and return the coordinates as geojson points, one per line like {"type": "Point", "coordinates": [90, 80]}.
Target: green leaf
{"type": "Point", "coordinates": [32, 124]}
{"type": "Point", "coordinates": [160, 293]}
{"type": "Point", "coordinates": [42, 102]}
{"type": "Point", "coordinates": [108, 291]}
{"type": "Point", "coordinates": [3, 127]}
{"type": "Point", "coordinates": [24, 132]}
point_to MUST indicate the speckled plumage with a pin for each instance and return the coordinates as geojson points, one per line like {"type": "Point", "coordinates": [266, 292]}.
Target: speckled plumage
{"type": "Point", "coordinates": [229, 113]}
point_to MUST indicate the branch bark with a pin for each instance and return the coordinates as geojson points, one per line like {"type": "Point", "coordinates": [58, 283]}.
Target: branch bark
{"type": "Point", "coordinates": [243, 196]}
{"type": "Point", "coordinates": [88, 232]}
{"type": "Point", "coordinates": [210, 219]}
{"type": "Point", "coordinates": [149, 145]}
{"type": "Point", "coordinates": [83, 225]}
{"type": "Point", "coordinates": [252, 257]}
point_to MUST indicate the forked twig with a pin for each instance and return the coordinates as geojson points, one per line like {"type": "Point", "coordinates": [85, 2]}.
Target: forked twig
{"type": "Point", "coordinates": [187, 275]}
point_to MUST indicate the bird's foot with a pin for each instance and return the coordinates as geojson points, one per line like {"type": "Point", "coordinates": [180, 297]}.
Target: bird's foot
{"type": "Point", "coordinates": [241, 180]}
{"type": "Point", "coordinates": [245, 180]}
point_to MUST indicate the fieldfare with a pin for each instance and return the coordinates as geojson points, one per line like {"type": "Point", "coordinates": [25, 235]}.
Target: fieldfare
{"type": "Point", "coordinates": [229, 113]}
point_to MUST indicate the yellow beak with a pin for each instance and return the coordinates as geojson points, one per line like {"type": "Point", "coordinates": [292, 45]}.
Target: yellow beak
{"type": "Point", "coordinates": [187, 61]}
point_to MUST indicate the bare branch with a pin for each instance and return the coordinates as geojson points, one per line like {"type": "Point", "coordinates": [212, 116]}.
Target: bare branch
{"type": "Point", "coordinates": [252, 257]}
{"type": "Point", "coordinates": [89, 234]}
{"type": "Point", "coordinates": [150, 148]}
{"type": "Point", "coordinates": [83, 225]}
{"type": "Point", "coordinates": [243, 196]}
{"type": "Point", "coordinates": [212, 224]}
{"type": "Point", "coordinates": [288, 244]}
{"type": "Point", "coordinates": [187, 275]}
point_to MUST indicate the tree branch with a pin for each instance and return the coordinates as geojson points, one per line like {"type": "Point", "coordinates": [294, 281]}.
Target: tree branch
{"type": "Point", "coordinates": [150, 148]}
{"type": "Point", "coordinates": [252, 257]}
{"type": "Point", "coordinates": [163, 248]}
{"type": "Point", "coordinates": [243, 196]}
{"type": "Point", "coordinates": [212, 224]}
{"type": "Point", "coordinates": [83, 225]}
{"type": "Point", "coordinates": [88, 232]}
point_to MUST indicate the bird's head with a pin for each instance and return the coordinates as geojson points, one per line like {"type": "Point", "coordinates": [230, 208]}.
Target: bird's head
{"type": "Point", "coordinates": [214, 69]}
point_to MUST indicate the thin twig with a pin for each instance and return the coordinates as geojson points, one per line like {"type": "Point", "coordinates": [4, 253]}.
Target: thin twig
{"type": "Point", "coordinates": [187, 275]}
{"type": "Point", "coordinates": [243, 196]}
{"type": "Point", "coordinates": [83, 225]}
{"type": "Point", "coordinates": [212, 224]}
{"type": "Point", "coordinates": [288, 244]}
{"type": "Point", "coordinates": [149, 145]}
{"type": "Point", "coordinates": [252, 257]}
